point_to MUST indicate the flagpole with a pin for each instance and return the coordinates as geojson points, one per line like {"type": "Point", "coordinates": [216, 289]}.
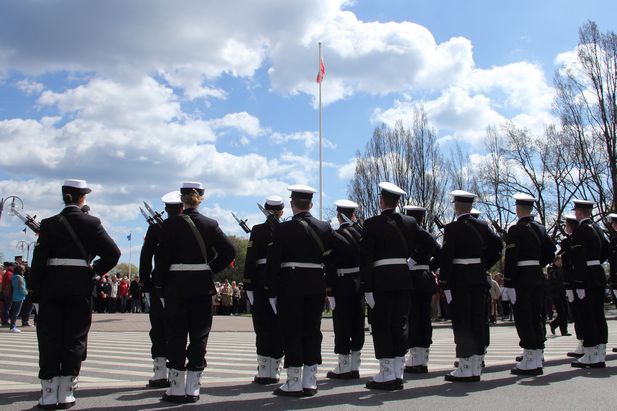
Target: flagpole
{"type": "Point", "coordinates": [320, 147]}
{"type": "Point", "coordinates": [130, 253]}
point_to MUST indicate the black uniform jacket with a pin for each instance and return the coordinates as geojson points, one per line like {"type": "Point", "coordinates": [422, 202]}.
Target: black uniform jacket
{"type": "Point", "coordinates": [381, 241]}
{"type": "Point", "coordinates": [292, 242]}
{"type": "Point", "coordinates": [612, 259]}
{"type": "Point", "coordinates": [468, 237]}
{"type": "Point", "coordinates": [257, 250]}
{"type": "Point", "coordinates": [178, 245]}
{"type": "Point", "coordinates": [567, 266]}
{"type": "Point", "coordinates": [425, 253]}
{"type": "Point", "coordinates": [151, 241]}
{"type": "Point", "coordinates": [527, 240]}
{"type": "Point", "coordinates": [348, 257]}
{"type": "Point", "coordinates": [55, 242]}
{"type": "Point", "coordinates": [588, 244]}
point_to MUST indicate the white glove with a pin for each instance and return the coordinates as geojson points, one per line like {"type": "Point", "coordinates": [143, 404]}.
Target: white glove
{"type": "Point", "coordinates": [512, 295]}
{"type": "Point", "coordinates": [448, 295]}
{"type": "Point", "coordinates": [410, 263]}
{"type": "Point", "coordinates": [36, 307]}
{"type": "Point", "coordinates": [580, 292]}
{"type": "Point", "coordinates": [570, 295]}
{"type": "Point", "coordinates": [370, 300]}
{"type": "Point", "coordinates": [162, 302]}
{"type": "Point", "coordinates": [332, 302]}
{"type": "Point", "coordinates": [615, 293]}
{"type": "Point", "coordinates": [249, 295]}
{"type": "Point", "coordinates": [273, 304]}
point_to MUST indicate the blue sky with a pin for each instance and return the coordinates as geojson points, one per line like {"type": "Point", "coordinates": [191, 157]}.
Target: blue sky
{"type": "Point", "coordinates": [137, 97]}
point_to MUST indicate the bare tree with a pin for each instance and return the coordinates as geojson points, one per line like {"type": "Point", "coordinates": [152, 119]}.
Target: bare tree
{"type": "Point", "coordinates": [586, 102]}
{"type": "Point", "coordinates": [409, 158]}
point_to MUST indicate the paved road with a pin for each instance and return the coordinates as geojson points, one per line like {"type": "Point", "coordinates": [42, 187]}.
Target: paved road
{"type": "Point", "coordinates": [119, 364]}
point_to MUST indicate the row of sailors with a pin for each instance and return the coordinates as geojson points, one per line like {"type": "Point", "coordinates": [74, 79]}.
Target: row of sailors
{"type": "Point", "coordinates": [387, 262]}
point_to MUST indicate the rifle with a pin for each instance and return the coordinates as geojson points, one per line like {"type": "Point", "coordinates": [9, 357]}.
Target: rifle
{"type": "Point", "coordinates": [158, 217]}
{"type": "Point", "coordinates": [440, 225]}
{"type": "Point", "coordinates": [1, 207]}
{"type": "Point", "coordinates": [242, 223]}
{"type": "Point", "coordinates": [149, 219]}
{"type": "Point", "coordinates": [500, 231]}
{"type": "Point", "coordinates": [270, 217]}
{"type": "Point", "coordinates": [352, 223]}
{"type": "Point", "coordinates": [28, 220]}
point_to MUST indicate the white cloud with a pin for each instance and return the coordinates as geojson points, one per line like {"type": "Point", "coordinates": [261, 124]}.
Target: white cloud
{"type": "Point", "coordinates": [30, 87]}
{"type": "Point", "coordinates": [347, 171]}
{"type": "Point", "coordinates": [310, 139]}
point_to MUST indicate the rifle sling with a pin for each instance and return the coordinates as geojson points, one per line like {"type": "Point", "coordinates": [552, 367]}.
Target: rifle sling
{"type": "Point", "coordinates": [198, 237]}
{"type": "Point", "coordinates": [76, 240]}
{"type": "Point", "coordinates": [312, 233]}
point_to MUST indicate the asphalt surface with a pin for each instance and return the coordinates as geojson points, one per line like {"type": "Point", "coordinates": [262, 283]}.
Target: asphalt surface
{"type": "Point", "coordinates": [118, 366]}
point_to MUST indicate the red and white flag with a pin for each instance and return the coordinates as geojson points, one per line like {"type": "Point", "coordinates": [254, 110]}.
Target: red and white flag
{"type": "Point", "coordinates": [322, 71]}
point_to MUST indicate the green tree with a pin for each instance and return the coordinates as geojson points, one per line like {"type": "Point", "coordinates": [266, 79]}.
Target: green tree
{"type": "Point", "coordinates": [235, 271]}
{"type": "Point", "coordinates": [123, 269]}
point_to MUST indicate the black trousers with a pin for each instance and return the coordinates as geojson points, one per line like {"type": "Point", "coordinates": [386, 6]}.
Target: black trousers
{"type": "Point", "coordinates": [469, 320]}
{"type": "Point", "coordinates": [268, 338]}
{"type": "Point", "coordinates": [561, 306]}
{"type": "Point", "coordinates": [192, 317]}
{"type": "Point", "coordinates": [577, 310]}
{"type": "Point", "coordinates": [62, 331]}
{"type": "Point", "coordinates": [348, 321]}
{"type": "Point", "coordinates": [390, 322]}
{"type": "Point", "coordinates": [157, 326]}
{"type": "Point", "coordinates": [300, 325]}
{"type": "Point", "coordinates": [420, 328]}
{"type": "Point", "coordinates": [595, 330]}
{"type": "Point", "coordinates": [528, 317]}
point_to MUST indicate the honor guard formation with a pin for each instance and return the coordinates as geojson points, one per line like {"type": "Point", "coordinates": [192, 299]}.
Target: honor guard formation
{"type": "Point", "coordinates": [386, 268]}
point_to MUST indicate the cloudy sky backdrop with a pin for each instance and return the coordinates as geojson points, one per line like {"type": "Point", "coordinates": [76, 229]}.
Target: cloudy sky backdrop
{"type": "Point", "coordinates": [138, 96]}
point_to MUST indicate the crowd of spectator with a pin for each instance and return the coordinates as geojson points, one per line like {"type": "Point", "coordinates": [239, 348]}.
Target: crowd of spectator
{"type": "Point", "coordinates": [15, 302]}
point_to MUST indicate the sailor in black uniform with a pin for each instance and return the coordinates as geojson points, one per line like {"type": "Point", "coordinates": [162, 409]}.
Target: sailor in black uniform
{"type": "Point", "coordinates": [345, 296]}
{"type": "Point", "coordinates": [470, 248]}
{"type": "Point", "coordinates": [590, 249]}
{"type": "Point", "coordinates": [422, 264]}
{"type": "Point", "coordinates": [267, 334]}
{"type": "Point", "coordinates": [528, 250]}
{"type": "Point", "coordinates": [612, 259]}
{"type": "Point", "coordinates": [173, 207]}
{"type": "Point", "coordinates": [192, 248]}
{"type": "Point", "coordinates": [297, 255]}
{"type": "Point", "coordinates": [62, 281]}
{"type": "Point", "coordinates": [389, 241]}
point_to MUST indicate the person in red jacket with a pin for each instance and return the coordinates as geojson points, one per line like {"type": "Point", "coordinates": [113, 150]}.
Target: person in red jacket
{"type": "Point", "coordinates": [123, 293]}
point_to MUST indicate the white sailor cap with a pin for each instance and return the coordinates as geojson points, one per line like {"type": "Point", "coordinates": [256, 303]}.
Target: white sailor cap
{"type": "Point", "coordinates": [410, 207]}
{"type": "Point", "coordinates": [345, 205]}
{"type": "Point", "coordinates": [76, 186]}
{"type": "Point", "coordinates": [613, 217]}
{"type": "Point", "coordinates": [524, 199]}
{"type": "Point", "coordinates": [391, 190]}
{"type": "Point", "coordinates": [189, 186]}
{"type": "Point", "coordinates": [475, 212]}
{"type": "Point", "coordinates": [583, 204]}
{"type": "Point", "coordinates": [172, 198]}
{"type": "Point", "coordinates": [570, 218]}
{"type": "Point", "coordinates": [274, 203]}
{"type": "Point", "coordinates": [301, 191]}
{"type": "Point", "coordinates": [415, 211]}
{"type": "Point", "coordinates": [462, 196]}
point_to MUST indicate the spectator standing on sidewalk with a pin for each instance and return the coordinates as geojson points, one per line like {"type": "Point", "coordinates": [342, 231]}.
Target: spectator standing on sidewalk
{"type": "Point", "coordinates": [19, 295]}
{"type": "Point", "coordinates": [135, 291]}
{"type": "Point", "coordinates": [123, 293]}
{"type": "Point", "coordinates": [7, 291]}
{"type": "Point", "coordinates": [112, 302]}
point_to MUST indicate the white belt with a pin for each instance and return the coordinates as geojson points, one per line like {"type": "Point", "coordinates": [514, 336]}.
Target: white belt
{"type": "Point", "coordinates": [189, 267]}
{"type": "Point", "coordinates": [71, 262]}
{"type": "Point", "coordinates": [261, 261]}
{"type": "Point", "coordinates": [528, 263]}
{"type": "Point", "coordinates": [593, 262]}
{"type": "Point", "coordinates": [342, 271]}
{"type": "Point", "coordinates": [390, 261]}
{"type": "Point", "coordinates": [293, 264]}
{"type": "Point", "coordinates": [466, 261]}
{"type": "Point", "coordinates": [419, 267]}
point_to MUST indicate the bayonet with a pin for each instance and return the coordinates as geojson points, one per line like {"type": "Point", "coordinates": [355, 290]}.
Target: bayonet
{"type": "Point", "coordinates": [146, 216]}
{"type": "Point", "coordinates": [270, 216]}
{"type": "Point", "coordinates": [158, 217]}
{"type": "Point", "coordinates": [351, 222]}
{"type": "Point", "coordinates": [29, 221]}
{"type": "Point", "coordinates": [242, 223]}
